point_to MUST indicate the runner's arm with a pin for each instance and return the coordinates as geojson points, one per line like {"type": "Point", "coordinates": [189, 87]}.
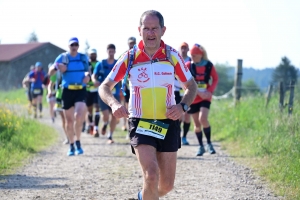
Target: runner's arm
{"type": "Point", "coordinates": [215, 79]}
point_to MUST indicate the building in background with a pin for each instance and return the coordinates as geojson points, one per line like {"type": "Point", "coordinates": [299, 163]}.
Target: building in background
{"type": "Point", "coordinates": [16, 59]}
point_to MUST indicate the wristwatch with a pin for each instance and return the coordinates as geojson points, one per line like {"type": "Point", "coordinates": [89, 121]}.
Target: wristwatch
{"type": "Point", "coordinates": [184, 107]}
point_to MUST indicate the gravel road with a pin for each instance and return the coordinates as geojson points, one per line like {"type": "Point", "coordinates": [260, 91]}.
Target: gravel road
{"type": "Point", "coordinates": [111, 172]}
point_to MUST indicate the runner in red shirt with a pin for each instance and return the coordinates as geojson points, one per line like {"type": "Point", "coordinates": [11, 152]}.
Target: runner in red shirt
{"type": "Point", "coordinates": [203, 71]}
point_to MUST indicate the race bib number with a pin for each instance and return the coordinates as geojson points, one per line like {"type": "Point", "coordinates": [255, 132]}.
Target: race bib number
{"type": "Point", "coordinates": [152, 128]}
{"type": "Point", "coordinates": [36, 91]}
{"type": "Point", "coordinates": [75, 87]}
{"type": "Point", "coordinates": [202, 85]}
{"type": "Point", "coordinates": [181, 92]}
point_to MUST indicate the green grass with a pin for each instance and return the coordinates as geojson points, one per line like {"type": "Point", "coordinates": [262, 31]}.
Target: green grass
{"type": "Point", "coordinates": [17, 96]}
{"type": "Point", "coordinates": [20, 137]}
{"type": "Point", "coordinates": [266, 139]}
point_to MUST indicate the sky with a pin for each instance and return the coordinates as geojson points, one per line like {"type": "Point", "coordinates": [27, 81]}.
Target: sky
{"type": "Point", "coordinates": [260, 32]}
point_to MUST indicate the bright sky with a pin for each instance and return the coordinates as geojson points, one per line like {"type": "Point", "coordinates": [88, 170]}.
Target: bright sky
{"type": "Point", "coordinates": [258, 31]}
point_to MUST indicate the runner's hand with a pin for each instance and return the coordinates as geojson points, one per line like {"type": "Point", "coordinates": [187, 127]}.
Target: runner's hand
{"type": "Point", "coordinates": [86, 79]}
{"type": "Point", "coordinates": [119, 111]}
{"type": "Point", "coordinates": [61, 67]}
{"type": "Point", "coordinates": [174, 112]}
{"type": "Point", "coordinates": [32, 80]}
{"type": "Point", "coordinates": [204, 94]}
{"type": "Point", "coordinates": [97, 84]}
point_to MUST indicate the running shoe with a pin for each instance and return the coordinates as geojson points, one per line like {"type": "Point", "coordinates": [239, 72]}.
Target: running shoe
{"type": "Point", "coordinates": [110, 141]}
{"type": "Point", "coordinates": [53, 120]}
{"type": "Point", "coordinates": [71, 152]}
{"type": "Point", "coordinates": [89, 130]}
{"type": "Point", "coordinates": [79, 151]}
{"type": "Point", "coordinates": [35, 115]}
{"type": "Point", "coordinates": [210, 148]}
{"type": "Point", "coordinates": [201, 151]}
{"type": "Point", "coordinates": [124, 128]}
{"type": "Point", "coordinates": [103, 131]}
{"type": "Point", "coordinates": [41, 115]}
{"type": "Point", "coordinates": [95, 133]}
{"type": "Point", "coordinates": [140, 195]}
{"type": "Point", "coordinates": [66, 141]}
{"type": "Point", "coordinates": [184, 141]}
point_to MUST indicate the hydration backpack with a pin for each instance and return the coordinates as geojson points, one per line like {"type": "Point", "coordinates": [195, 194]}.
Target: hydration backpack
{"type": "Point", "coordinates": [207, 71]}
{"type": "Point", "coordinates": [83, 59]}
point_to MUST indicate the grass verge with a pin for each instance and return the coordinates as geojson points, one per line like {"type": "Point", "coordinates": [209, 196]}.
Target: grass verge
{"type": "Point", "coordinates": [17, 96]}
{"type": "Point", "coordinates": [266, 139]}
{"type": "Point", "coordinates": [20, 138]}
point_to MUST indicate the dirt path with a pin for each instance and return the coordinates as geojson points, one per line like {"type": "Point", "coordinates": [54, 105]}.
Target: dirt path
{"type": "Point", "coordinates": [111, 172]}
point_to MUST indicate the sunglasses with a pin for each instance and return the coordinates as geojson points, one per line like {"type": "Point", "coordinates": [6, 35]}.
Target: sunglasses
{"type": "Point", "coordinates": [74, 45]}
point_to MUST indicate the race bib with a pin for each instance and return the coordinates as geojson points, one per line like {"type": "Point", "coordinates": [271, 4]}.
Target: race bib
{"type": "Point", "coordinates": [75, 87]}
{"type": "Point", "coordinates": [152, 128]}
{"type": "Point", "coordinates": [202, 85]}
{"type": "Point", "coordinates": [93, 89]}
{"type": "Point", "coordinates": [181, 91]}
{"type": "Point", "coordinates": [36, 91]}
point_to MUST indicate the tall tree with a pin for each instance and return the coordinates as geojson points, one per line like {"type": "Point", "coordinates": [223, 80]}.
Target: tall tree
{"type": "Point", "coordinates": [285, 72]}
{"type": "Point", "coordinates": [32, 38]}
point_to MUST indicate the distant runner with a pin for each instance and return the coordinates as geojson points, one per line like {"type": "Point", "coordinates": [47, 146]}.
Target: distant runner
{"type": "Point", "coordinates": [36, 78]}
{"type": "Point", "coordinates": [92, 100]}
{"type": "Point", "coordinates": [184, 49]}
{"type": "Point", "coordinates": [26, 86]}
{"type": "Point", "coordinates": [202, 70]}
{"type": "Point", "coordinates": [101, 71]}
{"type": "Point", "coordinates": [55, 87]}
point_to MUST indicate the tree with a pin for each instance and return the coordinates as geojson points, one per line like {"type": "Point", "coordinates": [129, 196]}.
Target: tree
{"type": "Point", "coordinates": [32, 38]}
{"type": "Point", "coordinates": [250, 88]}
{"type": "Point", "coordinates": [225, 83]}
{"type": "Point", "coordinates": [285, 72]}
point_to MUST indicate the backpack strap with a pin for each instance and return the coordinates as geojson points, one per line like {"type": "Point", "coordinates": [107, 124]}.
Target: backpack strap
{"type": "Point", "coordinates": [131, 56]}
{"type": "Point", "coordinates": [168, 54]}
{"type": "Point", "coordinates": [83, 59]}
{"type": "Point", "coordinates": [208, 68]}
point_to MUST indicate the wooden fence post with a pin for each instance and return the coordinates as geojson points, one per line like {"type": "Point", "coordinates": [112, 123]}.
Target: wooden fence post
{"type": "Point", "coordinates": [238, 81]}
{"type": "Point", "coordinates": [281, 96]}
{"type": "Point", "coordinates": [291, 100]}
{"type": "Point", "coordinates": [270, 89]}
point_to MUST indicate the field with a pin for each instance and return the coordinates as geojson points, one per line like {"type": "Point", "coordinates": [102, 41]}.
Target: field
{"type": "Point", "coordinates": [264, 138]}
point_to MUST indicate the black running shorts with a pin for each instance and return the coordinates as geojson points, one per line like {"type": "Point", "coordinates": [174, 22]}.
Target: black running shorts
{"type": "Point", "coordinates": [92, 98]}
{"type": "Point", "coordinates": [70, 97]}
{"type": "Point", "coordinates": [171, 143]}
{"type": "Point", "coordinates": [36, 92]}
{"type": "Point", "coordinates": [195, 108]}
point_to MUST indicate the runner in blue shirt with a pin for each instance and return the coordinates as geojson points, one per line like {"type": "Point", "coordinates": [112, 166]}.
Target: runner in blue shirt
{"type": "Point", "coordinates": [36, 77]}
{"type": "Point", "coordinates": [101, 71]}
{"type": "Point", "coordinates": [74, 67]}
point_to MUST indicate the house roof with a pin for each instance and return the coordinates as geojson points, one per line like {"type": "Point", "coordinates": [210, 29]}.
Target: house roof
{"type": "Point", "coordinates": [9, 52]}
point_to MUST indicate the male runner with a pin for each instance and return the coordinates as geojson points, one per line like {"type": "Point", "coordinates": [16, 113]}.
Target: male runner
{"type": "Point", "coordinates": [153, 114]}
{"type": "Point", "coordinates": [36, 78]}
{"type": "Point", "coordinates": [75, 75]}
{"type": "Point", "coordinates": [92, 98]}
{"type": "Point", "coordinates": [26, 85]}
{"type": "Point", "coordinates": [101, 71]}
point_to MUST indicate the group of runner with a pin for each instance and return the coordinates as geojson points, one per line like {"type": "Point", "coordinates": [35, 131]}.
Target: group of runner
{"type": "Point", "coordinates": [151, 85]}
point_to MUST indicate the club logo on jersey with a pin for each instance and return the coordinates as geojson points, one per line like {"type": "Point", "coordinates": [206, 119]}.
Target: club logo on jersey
{"type": "Point", "coordinates": [143, 76]}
